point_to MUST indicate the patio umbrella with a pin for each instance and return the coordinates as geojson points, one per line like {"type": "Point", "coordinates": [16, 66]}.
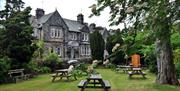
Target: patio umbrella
{"type": "Point", "coordinates": [72, 61]}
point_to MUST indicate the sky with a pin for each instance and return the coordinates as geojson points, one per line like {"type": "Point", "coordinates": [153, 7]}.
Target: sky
{"type": "Point", "coordinates": [68, 9]}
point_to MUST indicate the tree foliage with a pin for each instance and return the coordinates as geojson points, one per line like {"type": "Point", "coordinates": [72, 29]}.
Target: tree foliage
{"type": "Point", "coordinates": [155, 15]}
{"type": "Point", "coordinates": [52, 60]}
{"type": "Point", "coordinates": [116, 57]}
{"type": "Point", "coordinates": [16, 38]}
{"type": "Point", "coordinates": [97, 45]}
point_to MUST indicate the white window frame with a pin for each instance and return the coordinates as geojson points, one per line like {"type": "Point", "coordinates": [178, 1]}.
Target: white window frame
{"type": "Point", "coordinates": [87, 37]}
{"type": "Point", "coordinates": [88, 50]}
{"type": "Point", "coordinates": [83, 50]}
{"type": "Point", "coordinates": [56, 33]}
{"type": "Point", "coordinates": [52, 31]}
{"type": "Point", "coordinates": [60, 33]}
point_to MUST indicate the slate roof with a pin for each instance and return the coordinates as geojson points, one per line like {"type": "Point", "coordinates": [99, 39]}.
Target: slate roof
{"type": "Point", "coordinates": [74, 26]}
{"type": "Point", "coordinates": [44, 18]}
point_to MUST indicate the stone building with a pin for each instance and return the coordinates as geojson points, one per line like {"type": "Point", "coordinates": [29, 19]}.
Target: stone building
{"type": "Point", "coordinates": [68, 38]}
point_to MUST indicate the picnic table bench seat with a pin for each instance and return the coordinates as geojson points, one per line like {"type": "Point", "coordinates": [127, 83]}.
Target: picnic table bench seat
{"type": "Point", "coordinates": [134, 73]}
{"type": "Point", "coordinates": [55, 75]}
{"type": "Point", "coordinates": [82, 84]}
{"type": "Point", "coordinates": [107, 85]}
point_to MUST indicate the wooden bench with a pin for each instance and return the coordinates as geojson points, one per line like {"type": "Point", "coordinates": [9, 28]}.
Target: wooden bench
{"type": "Point", "coordinates": [132, 73]}
{"type": "Point", "coordinates": [107, 85]}
{"type": "Point", "coordinates": [18, 74]}
{"type": "Point", "coordinates": [82, 84]}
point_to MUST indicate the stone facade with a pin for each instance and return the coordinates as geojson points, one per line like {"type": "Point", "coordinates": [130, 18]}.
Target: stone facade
{"type": "Point", "coordinates": [68, 38]}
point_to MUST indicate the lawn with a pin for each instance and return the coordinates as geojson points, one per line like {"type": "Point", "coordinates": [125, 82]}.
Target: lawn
{"type": "Point", "coordinates": [118, 81]}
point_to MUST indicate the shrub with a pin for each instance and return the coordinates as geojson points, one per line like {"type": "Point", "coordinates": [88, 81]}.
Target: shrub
{"type": "Point", "coordinates": [52, 60]}
{"type": "Point", "coordinates": [4, 67]}
{"type": "Point", "coordinates": [150, 57]}
{"type": "Point", "coordinates": [32, 67]}
{"type": "Point", "coordinates": [44, 70]}
{"type": "Point", "coordinates": [177, 62]}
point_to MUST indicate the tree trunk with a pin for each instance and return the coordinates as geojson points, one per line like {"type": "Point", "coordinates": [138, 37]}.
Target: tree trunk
{"type": "Point", "coordinates": [166, 67]}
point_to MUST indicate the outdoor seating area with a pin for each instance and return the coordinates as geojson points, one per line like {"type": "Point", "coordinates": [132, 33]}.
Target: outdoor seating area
{"type": "Point", "coordinates": [62, 73]}
{"type": "Point", "coordinates": [89, 45]}
{"type": "Point", "coordinates": [117, 82]}
{"type": "Point", "coordinates": [136, 71]}
{"type": "Point", "coordinates": [94, 81]}
{"type": "Point", "coordinates": [134, 68]}
{"type": "Point", "coordinates": [17, 74]}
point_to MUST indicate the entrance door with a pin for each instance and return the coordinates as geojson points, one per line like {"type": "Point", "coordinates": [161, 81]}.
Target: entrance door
{"type": "Point", "coordinates": [72, 53]}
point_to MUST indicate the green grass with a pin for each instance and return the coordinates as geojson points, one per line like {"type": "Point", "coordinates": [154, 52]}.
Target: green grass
{"type": "Point", "coordinates": [118, 81]}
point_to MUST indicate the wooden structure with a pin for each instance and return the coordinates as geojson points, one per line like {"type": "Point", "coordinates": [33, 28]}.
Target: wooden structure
{"type": "Point", "coordinates": [62, 73]}
{"type": "Point", "coordinates": [124, 68]}
{"type": "Point", "coordinates": [135, 61]}
{"type": "Point", "coordinates": [18, 74]}
{"type": "Point", "coordinates": [136, 71]}
{"type": "Point", "coordinates": [94, 81]}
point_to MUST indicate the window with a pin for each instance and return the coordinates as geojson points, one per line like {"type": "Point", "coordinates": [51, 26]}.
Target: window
{"type": "Point", "coordinates": [82, 50]}
{"type": "Point", "coordinates": [52, 32]}
{"type": "Point", "coordinates": [73, 36]}
{"type": "Point", "coordinates": [35, 32]}
{"type": "Point", "coordinates": [56, 32]}
{"type": "Point", "coordinates": [60, 33]}
{"type": "Point", "coordinates": [85, 37]}
{"type": "Point", "coordinates": [58, 51]}
{"type": "Point", "coordinates": [51, 49]}
{"type": "Point", "coordinates": [88, 50]}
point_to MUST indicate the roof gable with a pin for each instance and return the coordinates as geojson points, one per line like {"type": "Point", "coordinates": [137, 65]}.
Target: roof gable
{"type": "Point", "coordinates": [73, 26]}
{"type": "Point", "coordinates": [53, 18]}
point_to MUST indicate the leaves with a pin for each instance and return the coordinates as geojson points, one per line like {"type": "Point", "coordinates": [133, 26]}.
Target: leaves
{"type": "Point", "coordinates": [16, 38]}
{"type": "Point", "coordinates": [97, 45]}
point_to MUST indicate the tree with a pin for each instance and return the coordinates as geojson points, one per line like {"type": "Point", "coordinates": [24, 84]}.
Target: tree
{"type": "Point", "coordinates": [155, 15]}
{"type": "Point", "coordinates": [16, 38]}
{"type": "Point", "coordinates": [97, 45]}
{"type": "Point", "coordinates": [116, 57]}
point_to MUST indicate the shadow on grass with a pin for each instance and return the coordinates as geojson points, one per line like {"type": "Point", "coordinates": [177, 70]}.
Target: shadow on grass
{"type": "Point", "coordinates": [63, 80]}
{"type": "Point", "coordinates": [137, 78]}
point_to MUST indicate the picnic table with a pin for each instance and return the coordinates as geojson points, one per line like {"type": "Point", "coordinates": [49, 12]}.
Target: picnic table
{"type": "Point", "coordinates": [18, 74]}
{"type": "Point", "coordinates": [125, 68]}
{"type": "Point", "coordinates": [137, 71]}
{"type": "Point", "coordinates": [62, 73]}
{"type": "Point", "coordinates": [94, 81]}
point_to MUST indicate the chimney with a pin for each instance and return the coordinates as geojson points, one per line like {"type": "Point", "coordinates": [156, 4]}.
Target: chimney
{"type": "Point", "coordinates": [92, 25]}
{"type": "Point", "coordinates": [39, 13]}
{"type": "Point", "coordinates": [80, 18]}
